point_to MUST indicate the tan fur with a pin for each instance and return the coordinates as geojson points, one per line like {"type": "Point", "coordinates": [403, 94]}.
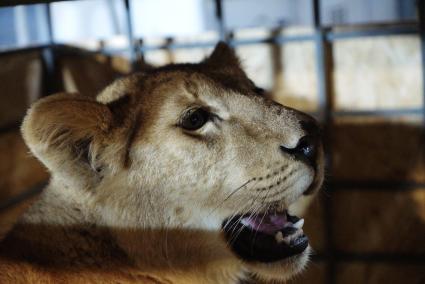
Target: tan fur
{"type": "Point", "coordinates": [135, 198]}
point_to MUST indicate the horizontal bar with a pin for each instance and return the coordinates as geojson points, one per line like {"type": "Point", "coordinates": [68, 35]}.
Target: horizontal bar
{"type": "Point", "coordinates": [173, 46]}
{"type": "Point", "coordinates": [368, 32]}
{"type": "Point", "coordinates": [13, 201]}
{"type": "Point", "coordinates": [393, 258]}
{"type": "Point", "coordinates": [274, 40]}
{"type": "Point", "coordinates": [374, 185]}
{"type": "Point", "coordinates": [379, 112]}
{"type": "Point", "coordinates": [13, 126]}
{"type": "Point", "coordinates": [331, 36]}
{"type": "Point", "coordinates": [18, 50]}
{"type": "Point", "coordinates": [374, 258]}
{"type": "Point", "coordinates": [210, 44]}
{"type": "Point", "coordinates": [4, 3]}
{"type": "Point", "coordinates": [58, 48]}
{"type": "Point", "coordinates": [233, 42]}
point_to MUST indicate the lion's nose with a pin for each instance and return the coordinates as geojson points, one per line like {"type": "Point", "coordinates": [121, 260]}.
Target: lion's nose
{"type": "Point", "coordinates": [306, 149]}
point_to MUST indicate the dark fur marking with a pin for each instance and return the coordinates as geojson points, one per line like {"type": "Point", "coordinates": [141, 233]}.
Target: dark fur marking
{"type": "Point", "coordinates": [136, 125]}
{"type": "Point", "coordinates": [191, 88]}
{"type": "Point", "coordinates": [119, 109]}
{"type": "Point", "coordinates": [279, 181]}
{"type": "Point", "coordinates": [81, 150]}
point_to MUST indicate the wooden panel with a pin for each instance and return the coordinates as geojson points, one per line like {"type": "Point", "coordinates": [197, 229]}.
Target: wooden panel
{"type": "Point", "coordinates": [20, 77]}
{"type": "Point", "coordinates": [380, 273]}
{"type": "Point", "coordinates": [314, 225]}
{"type": "Point", "coordinates": [379, 150]}
{"type": "Point", "coordinates": [315, 273]}
{"type": "Point", "coordinates": [89, 74]}
{"type": "Point", "coordinates": [383, 222]}
{"type": "Point", "coordinates": [296, 77]}
{"type": "Point", "coordinates": [378, 72]}
{"type": "Point", "coordinates": [19, 170]}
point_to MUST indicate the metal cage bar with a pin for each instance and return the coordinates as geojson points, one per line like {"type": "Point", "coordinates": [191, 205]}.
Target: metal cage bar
{"type": "Point", "coordinates": [421, 27]}
{"type": "Point", "coordinates": [324, 59]}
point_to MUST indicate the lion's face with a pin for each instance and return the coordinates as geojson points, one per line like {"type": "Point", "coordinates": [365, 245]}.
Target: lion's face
{"type": "Point", "coordinates": [211, 152]}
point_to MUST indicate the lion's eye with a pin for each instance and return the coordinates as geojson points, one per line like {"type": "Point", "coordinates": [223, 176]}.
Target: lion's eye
{"type": "Point", "coordinates": [195, 119]}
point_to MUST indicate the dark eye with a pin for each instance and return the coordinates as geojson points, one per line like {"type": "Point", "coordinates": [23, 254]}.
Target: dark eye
{"type": "Point", "coordinates": [195, 119]}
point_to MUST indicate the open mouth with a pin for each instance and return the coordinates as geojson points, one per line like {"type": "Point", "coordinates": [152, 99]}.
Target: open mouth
{"type": "Point", "coordinates": [266, 237]}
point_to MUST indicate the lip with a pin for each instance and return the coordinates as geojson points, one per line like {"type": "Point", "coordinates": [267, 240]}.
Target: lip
{"type": "Point", "coordinates": [265, 240]}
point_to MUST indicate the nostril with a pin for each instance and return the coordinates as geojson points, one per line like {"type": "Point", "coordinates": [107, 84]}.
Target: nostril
{"type": "Point", "coordinates": [306, 148]}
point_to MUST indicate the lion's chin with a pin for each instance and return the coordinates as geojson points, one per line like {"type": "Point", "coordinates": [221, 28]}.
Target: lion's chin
{"type": "Point", "coordinates": [271, 244]}
{"type": "Point", "coordinates": [280, 270]}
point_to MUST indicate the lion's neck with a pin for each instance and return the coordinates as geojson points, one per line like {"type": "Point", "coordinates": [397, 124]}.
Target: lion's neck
{"type": "Point", "coordinates": [62, 224]}
{"type": "Point", "coordinates": [59, 224]}
{"type": "Point", "coordinates": [58, 234]}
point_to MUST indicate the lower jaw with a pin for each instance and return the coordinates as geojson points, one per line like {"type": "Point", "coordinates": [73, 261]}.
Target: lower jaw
{"type": "Point", "coordinates": [280, 271]}
{"type": "Point", "coordinates": [257, 247]}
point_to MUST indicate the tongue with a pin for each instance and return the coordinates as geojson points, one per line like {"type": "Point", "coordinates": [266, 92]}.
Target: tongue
{"type": "Point", "coordinates": [268, 224]}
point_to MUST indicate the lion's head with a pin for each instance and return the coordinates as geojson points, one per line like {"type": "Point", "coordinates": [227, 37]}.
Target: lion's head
{"type": "Point", "coordinates": [187, 147]}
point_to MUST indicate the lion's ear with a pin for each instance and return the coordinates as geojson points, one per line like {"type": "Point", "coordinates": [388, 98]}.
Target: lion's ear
{"type": "Point", "coordinates": [67, 133]}
{"type": "Point", "coordinates": [223, 59]}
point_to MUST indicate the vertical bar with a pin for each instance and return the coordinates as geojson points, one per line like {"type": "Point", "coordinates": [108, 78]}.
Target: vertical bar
{"type": "Point", "coordinates": [49, 23]}
{"type": "Point", "coordinates": [130, 35]}
{"type": "Point", "coordinates": [220, 19]}
{"type": "Point", "coordinates": [170, 55]}
{"type": "Point", "coordinates": [140, 63]}
{"type": "Point", "coordinates": [323, 62]}
{"type": "Point", "coordinates": [52, 81]}
{"type": "Point", "coordinates": [421, 24]}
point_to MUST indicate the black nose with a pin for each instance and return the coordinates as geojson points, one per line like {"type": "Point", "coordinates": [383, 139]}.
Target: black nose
{"type": "Point", "coordinates": [305, 150]}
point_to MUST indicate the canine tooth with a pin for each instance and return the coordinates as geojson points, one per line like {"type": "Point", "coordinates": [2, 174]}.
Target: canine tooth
{"type": "Point", "coordinates": [299, 224]}
{"type": "Point", "coordinates": [279, 237]}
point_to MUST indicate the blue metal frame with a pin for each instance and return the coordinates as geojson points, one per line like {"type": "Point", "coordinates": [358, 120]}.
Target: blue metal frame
{"type": "Point", "coordinates": [130, 34]}
{"type": "Point", "coordinates": [421, 27]}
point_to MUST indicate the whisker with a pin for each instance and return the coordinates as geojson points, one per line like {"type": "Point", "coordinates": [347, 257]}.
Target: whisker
{"type": "Point", "coordinates": [248, 210]}
{"type": "Point", "coordinates": [262, 218]}
{"type": "Point", "coordinates": [255, 211]}
{"type": "Point", "coordinates": [230, 195]}
{"type": "Point", "coordinates": [237, 189]}
{"type": "Point", "coordinates": [235, 235]}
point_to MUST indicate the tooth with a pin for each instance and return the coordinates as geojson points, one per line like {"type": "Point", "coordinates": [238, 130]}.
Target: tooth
{"type": "Point", "coordinates": [299, 224]}
{"type": "Point", "coordinates": [279, 237]}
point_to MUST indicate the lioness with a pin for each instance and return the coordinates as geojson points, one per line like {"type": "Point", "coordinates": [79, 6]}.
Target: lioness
{"type": "Point", "coordinates": [180, 174]}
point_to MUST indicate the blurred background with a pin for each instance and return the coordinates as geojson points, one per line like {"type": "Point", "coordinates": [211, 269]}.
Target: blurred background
{"type": "Point", "coordinates": [357, 66]}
